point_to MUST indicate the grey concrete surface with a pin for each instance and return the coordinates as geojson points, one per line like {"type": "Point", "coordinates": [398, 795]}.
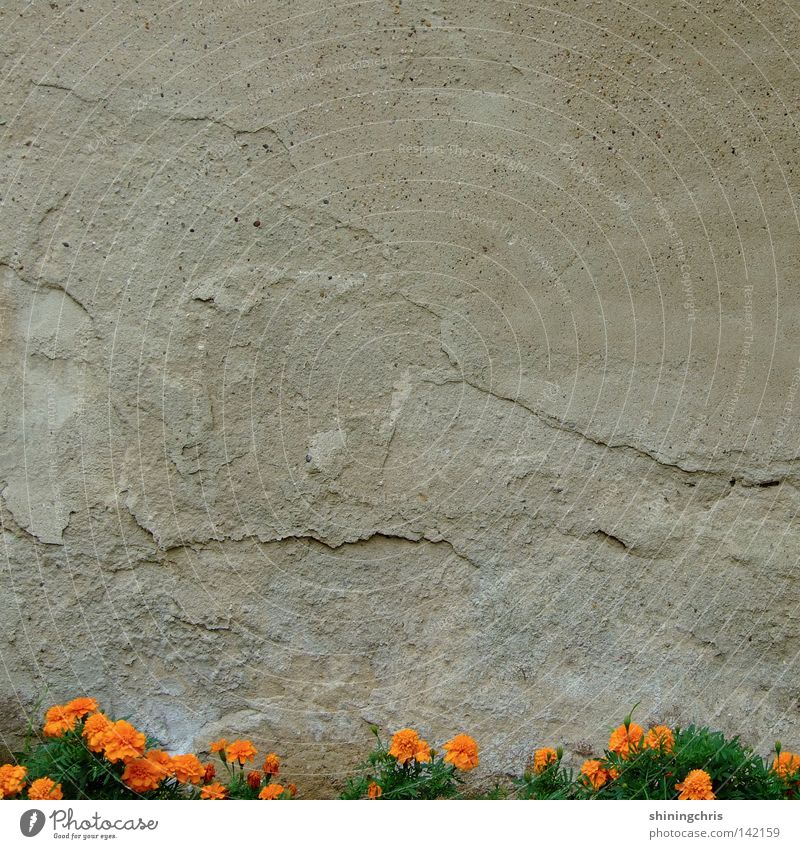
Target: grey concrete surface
{"type": "Point", "coordinates": [409, 363]}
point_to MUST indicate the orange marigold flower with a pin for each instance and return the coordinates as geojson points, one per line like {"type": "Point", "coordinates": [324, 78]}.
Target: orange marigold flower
{"type": "Point", "coordinates": [787, 765]}
{"type": "Point", "coordinates": [374, 791]}
{"type": "Point", "coordinates": [57, 721]}
{"type": "Point", "coordinates": [162, 761]}
{"type": "Point", "coordinates": [292, 788]}
{"type": "Point", "coordinates": [241, 750]}
{"type": "Point", "coordinates": [12, 778]}
{"type": "Point", "coordinates": [659, 737]}
{"type": "Point", "coordinates": [462, 752]}
{"type": "Point", "coordinates": [543, 758]}
{"type": "Point", "coordinates": [406, 746]}
{"type": "Point", "coordinates": [423, 753]}
{"type": "Point", "coordinates": [218, 745]}
{"type": "Point", "coordinates": [272, 763]}
{"type": "Point", "coordinates": [210, 772]}
{"type": "Point", "coordinates": [80, 707]}
{"type": "Point", "coordinates": [254, 778]}
{"type": "Point", "coordinates": [188, 769]}
{"type": "Point", "coordinates": [271, 791]}
{"type": "Point", "coordinates": [596, 774]}
{"type": "Point", "coordinates": [45, 788]}
{"type": "Point", "coordinates": [214, 791]}
{"type": "Point", "coordinates": [122, 742]}
{"type": "Point", "coordinates": [696, 785]}
{"type": "Point", "coordinates": [142, 775]}
{"type": "Point", "coordinates": [94, 731]}
{"type": "Point", "coordinates": [625, 741]}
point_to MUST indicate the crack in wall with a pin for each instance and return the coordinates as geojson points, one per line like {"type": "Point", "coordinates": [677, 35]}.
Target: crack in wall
{"type": "Point", "coordinates": [558, 424]}
{"type": "Point", "coordinates": [553, 422]}
{"type": "Point", "coordinates": [302, 536]}
{"type": "Point", "coordinates": [43, 283]}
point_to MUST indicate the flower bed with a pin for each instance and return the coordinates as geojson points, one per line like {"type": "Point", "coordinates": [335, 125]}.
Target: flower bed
{"type": "Point", "coordinates": [84, 754]}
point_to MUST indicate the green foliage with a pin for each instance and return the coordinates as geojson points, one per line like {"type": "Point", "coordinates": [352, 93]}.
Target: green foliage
{"type": "Point", "coordinates": [651, 768]}
{"type": "Point", "coordinates": [497, 792]}
{"type": "Point", "coordinates": [412, 780]}
{"type": "Point", "coordinates": [240, 788]}
{"type": "Point", "coordinates": [555, 782]}
{"type": "Point", "coordinates": [736, 771]}
{"type": "Point", "coordinates": [82, 773]}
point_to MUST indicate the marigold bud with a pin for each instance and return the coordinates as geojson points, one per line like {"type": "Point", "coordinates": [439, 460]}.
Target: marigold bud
{"type": "Point", "coordinates": [627, 721]}
{"type": "Point", "coordinates": [272, 764]}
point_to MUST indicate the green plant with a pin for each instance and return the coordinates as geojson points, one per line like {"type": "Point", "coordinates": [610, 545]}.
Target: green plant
{"type": "Point", "coordinates": [410, 769]}
{"type": "Point", "coordinates": [84, 774]}
{"type": "Point", "coordinates": [547, 778]}
{"type": "Point", "coordinates": [654, 772]}
{"type": "Point", "coordinates": [81, 753]}
{"type": "Point", "coordinates": [247, 783]}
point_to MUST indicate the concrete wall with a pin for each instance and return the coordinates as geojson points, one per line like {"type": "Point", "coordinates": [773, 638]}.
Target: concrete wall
{"type": "Point", "coordinates": [405, 363]}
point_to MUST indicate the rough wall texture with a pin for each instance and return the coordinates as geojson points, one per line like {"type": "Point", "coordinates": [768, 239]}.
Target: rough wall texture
{"type": "Point", "coordinates": [401, 363]}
